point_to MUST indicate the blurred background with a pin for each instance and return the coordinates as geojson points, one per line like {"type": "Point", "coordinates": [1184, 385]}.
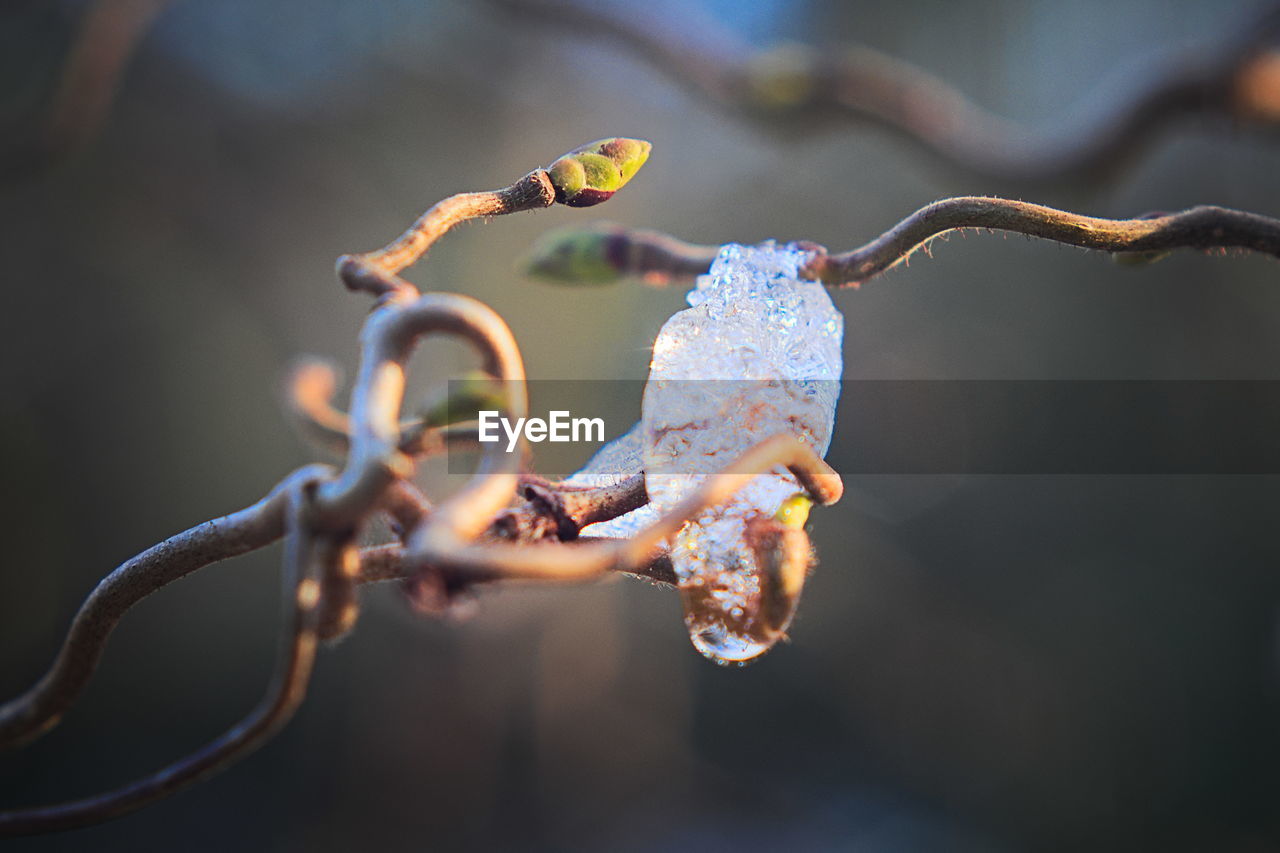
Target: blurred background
{"type": "Point", "coordinates": [979, 664]}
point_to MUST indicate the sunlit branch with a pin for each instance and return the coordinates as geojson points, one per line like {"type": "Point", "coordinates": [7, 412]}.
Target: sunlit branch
{"type": "Point", "coordinates": [613, 162]}
{"type": "Point", "coordinates": [1195, 228]}
{"type": "Point", "coordinates": [578, 506]}
{"type": "Point", "coordinates": [531, 192]}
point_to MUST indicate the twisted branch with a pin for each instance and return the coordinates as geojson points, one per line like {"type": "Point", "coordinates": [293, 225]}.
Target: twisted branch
{"type": "Point", "coordinates": [1236, 78]}
{"type": "Point", "coordinates": [323, 514]}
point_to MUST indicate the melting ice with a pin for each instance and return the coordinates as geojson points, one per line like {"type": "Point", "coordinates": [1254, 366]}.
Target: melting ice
{"type": "Point", "coordinates": [756, 354]}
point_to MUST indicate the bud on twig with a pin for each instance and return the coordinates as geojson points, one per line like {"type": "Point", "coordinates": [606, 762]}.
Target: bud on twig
{"type": "Point", "coordinates": [593, 173]}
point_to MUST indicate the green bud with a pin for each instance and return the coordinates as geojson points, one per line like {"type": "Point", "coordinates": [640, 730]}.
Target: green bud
{"type": "Point", "coordinates": [593, 173]}
{"type": "Point", "coordinates": [794, 511]}
{"type": "Point", "coordinates": [463, 399]}
{"type": "Point", "coordinates": [575, 256]}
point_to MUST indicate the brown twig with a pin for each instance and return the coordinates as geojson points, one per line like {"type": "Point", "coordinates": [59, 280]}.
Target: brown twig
{"type": "Point", "coordinates": [1204, 227]}
{"type": "Point", "coordinates": [439, 552]}
{"type": "Point", "coordinates": [532, 192]}
{"type": "Point", "coordinates": [799, 84]}
{"type": "Point", "coordinates": [580, 506]}
{"type": "Point", "coordinates": [382, 563]}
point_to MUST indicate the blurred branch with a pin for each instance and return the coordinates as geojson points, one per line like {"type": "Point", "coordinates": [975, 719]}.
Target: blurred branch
{"type": "Point", "coordinates": [40, 708]}
{"type": "Point", "coordinates": [392, 563]}
{"type": "Point", "coordinates": [109, 33]}
{"type": "Point", "coordinates": [1143, 238]}
{"type": "Point", "coordinates": [1235, 77]}
{"type": "Point", "coordinates": [310, 392]}
{"type": "Point", "coordinates": [304, 560]}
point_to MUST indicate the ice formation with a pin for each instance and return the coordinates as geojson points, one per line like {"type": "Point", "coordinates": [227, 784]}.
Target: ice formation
{"type": "Point", "coordinates": [756, 354]}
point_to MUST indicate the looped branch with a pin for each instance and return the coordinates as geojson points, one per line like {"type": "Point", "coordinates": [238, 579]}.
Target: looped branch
{"type": "Point", "coordinates": [324, 512]}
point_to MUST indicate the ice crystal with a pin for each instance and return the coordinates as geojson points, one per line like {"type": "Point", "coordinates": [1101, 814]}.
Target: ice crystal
{"type": "Point", "coordinates": [756, 354]}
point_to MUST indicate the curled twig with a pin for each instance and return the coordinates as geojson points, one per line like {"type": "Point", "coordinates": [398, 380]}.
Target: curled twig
{"type": "Point", "coordinates": [1235, 78]}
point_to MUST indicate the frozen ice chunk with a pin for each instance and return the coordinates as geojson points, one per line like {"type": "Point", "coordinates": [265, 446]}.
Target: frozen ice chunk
{"type": "Point", "coordinates": [756, 354]}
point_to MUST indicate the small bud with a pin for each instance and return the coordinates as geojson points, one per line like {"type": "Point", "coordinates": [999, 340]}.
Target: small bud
{"type": "Point", "coordinates": [575, 256]}
{"type": "Point", "coordinates": [593, 173]}
{"type": "Point", "coordinates": [463, 400]}
{"type": "Point", "coordinates": [794, 511]}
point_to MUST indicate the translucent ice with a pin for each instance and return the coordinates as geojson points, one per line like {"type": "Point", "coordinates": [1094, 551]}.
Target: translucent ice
{"type": "Point", "coordinates": [756, 354]}
{"type": "Point", "coordinates": [613, 463]}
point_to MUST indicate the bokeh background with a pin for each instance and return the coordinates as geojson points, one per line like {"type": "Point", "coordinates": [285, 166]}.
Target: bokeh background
{"type": "Point", "coordinates": [979, 664]}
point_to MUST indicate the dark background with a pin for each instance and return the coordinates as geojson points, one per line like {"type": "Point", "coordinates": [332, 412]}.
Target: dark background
{"type": "Point", "coordinates": [980, 663]}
